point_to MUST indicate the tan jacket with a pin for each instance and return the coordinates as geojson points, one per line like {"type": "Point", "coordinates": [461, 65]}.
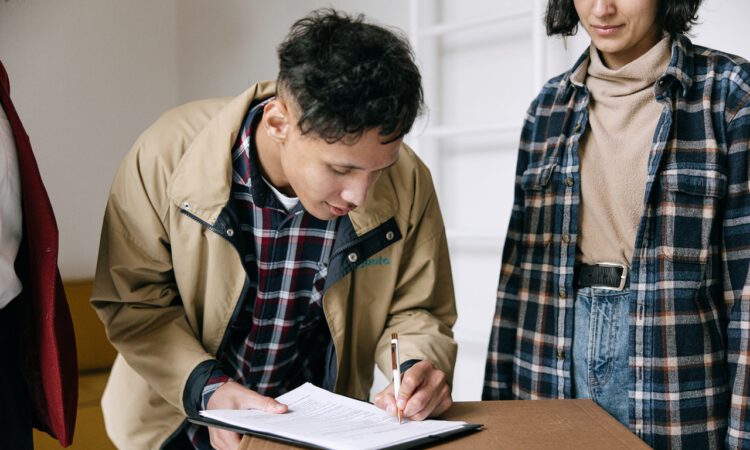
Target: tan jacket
{"type": "Point", "coordinates": [167, 282]}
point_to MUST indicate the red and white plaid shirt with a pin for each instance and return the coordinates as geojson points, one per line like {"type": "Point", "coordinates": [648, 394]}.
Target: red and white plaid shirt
{"type": "Point", "coordinates": [278, 337]}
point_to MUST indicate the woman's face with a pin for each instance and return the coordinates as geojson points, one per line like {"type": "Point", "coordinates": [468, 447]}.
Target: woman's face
{"type": "Point", "coordinates": [622, 30]}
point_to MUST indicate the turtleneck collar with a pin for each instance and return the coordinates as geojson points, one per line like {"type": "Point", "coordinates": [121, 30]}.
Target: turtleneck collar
{"type": "Point", "coordinates": [635, 76]}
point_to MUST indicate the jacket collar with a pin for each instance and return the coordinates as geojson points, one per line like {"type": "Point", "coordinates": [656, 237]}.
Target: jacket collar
{"type": "Point", "coordinates": [202, 182]}
{"type": "Point", "coordinates": [380, 205]}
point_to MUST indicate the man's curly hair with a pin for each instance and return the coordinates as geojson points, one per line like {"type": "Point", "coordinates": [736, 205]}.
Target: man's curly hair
{"type": "Point", "coordinates": [346, 77]}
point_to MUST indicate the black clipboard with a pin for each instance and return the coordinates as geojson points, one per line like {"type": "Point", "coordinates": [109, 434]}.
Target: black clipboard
{"type": "Point", "coordinates": [416, 443]}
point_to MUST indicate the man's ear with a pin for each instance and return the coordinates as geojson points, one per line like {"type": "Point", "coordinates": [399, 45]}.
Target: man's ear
{"type": "Point", "coordinates": [277, 120]}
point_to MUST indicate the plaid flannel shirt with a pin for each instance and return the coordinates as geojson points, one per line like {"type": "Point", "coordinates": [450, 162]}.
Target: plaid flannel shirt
{"type": "Point", "coordinates": [689, 288]}
{"type": "Point", "coordinates": [278, 339]}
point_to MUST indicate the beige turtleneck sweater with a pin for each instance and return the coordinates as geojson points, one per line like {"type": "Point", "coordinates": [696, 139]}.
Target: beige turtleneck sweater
{"type": "Point", "coordinates": [614, 151]}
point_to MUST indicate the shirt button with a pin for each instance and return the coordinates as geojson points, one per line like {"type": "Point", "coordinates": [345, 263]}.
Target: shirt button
{"type": "Point", "coordinates": [569, 181]}
{"type": "Point", "coordinates": [186, 205]}
{"type": "Point", "coordinates": [560, 353]}
{"type": "Point", "coordinates": [390, 235]}
{"type": "Point", "coordinates": [563, 293]}
{"type": "Point", "coordinates": [565, 238]}
{"type": "Point", "coordinates": [230, 232]}
{"type": "Point", "coordinates": [577, 128]}
{"type": "Point", "coordinates": [352, 257]}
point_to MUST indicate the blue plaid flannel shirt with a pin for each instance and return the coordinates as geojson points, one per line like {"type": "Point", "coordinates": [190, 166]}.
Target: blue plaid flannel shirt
{"type": "Point", "coordinates": [689, 288]}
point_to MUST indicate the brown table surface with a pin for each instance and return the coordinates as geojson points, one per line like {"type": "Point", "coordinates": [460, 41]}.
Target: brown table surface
{"type": "Point", "coordinates": [514, 424]}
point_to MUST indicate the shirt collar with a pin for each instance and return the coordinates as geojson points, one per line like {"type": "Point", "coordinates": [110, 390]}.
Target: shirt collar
{"type": "Point", "coordinates": [682, 64]}
{"type": "Point", "coordinates": [259, 191]}
{"type": "Point", "coordinates": [577, 75]}
{"type": "Point", "coordinates": [262, 193]}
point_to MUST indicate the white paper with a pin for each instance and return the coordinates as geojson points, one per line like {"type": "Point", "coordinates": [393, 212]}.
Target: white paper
{"type": "Point", "coordinates": [329, 420]}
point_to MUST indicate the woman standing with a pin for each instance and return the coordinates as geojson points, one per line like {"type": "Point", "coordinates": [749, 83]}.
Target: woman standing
{"type": "Point", "coordinates": [628, 252]}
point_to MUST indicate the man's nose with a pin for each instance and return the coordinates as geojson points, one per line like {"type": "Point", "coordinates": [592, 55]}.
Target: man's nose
{"type": "Point", "coordinates": [355, 192]}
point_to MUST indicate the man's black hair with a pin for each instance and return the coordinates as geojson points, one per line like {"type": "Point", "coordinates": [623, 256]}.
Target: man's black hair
{"type": "Point", "coordinates": [672, 17]}
{"type": "Point", "coordinates": [346, 77]}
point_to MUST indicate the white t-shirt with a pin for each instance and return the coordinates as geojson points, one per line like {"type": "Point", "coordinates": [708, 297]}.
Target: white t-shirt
{"type": "Point", "coordinates": [11, 221]}
{"type": "Point", "coordinates": [288, 202]}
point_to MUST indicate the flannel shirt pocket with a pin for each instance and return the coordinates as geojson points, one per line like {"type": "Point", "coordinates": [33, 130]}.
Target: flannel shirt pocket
{"type": "Point", "coordinates": [539, 204]}
{"type": "Point", "coordinates": [691, 197]}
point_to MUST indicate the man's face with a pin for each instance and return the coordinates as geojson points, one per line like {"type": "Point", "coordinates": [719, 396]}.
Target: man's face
{"type": "Point", "coordinates": [622, 30]}
{"type": "Point", "coordinates": [330, 179]}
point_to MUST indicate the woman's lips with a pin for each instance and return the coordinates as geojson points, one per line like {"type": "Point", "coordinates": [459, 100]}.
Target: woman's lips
{"type": "Point", "coordinates": [606, 30]}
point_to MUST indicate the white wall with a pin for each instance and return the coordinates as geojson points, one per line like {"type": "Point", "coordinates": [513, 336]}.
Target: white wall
{"type": "Point", "coordinates": [87, 76]}
{"type": "Point", "coordinates": [223, 50]}
{"type": "Point", "coordinates": [479, 77]}
{"type": "Point", "coordinates": [723, 25]}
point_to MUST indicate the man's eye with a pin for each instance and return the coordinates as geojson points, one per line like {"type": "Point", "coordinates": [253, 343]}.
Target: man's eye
{"type": "Point", "coordinates": [339, 171]}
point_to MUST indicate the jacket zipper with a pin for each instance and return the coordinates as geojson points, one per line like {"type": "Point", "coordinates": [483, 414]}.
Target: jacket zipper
{"type": "Point", "coordinates": [245, 286]}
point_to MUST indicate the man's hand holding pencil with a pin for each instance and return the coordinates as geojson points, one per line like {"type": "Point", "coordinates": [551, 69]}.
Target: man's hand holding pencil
{"type": "Point", "coordinates": [421, 392]}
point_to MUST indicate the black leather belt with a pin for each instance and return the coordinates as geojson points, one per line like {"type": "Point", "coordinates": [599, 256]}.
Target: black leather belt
{"type": "Point", "coordinates": [603, 276]}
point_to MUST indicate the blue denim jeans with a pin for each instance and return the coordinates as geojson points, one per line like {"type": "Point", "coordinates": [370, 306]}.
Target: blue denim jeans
{"type": "Point", "coordinates": [600, 349]}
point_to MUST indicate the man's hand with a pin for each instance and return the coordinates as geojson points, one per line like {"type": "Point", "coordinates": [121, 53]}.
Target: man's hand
{"type": "Point", "coordinates": [424, 393]}
{"type": "Point", "coordinates": [232, 395]}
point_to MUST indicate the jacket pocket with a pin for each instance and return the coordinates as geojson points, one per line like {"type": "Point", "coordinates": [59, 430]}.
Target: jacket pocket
{"type": "Point", "coordinates": [690, 200]}
{"type": "Point", "coordinates": [539, 203]}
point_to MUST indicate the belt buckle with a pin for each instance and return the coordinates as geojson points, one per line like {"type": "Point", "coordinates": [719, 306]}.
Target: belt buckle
{"type": "Point", "coordinates": [623, 276]}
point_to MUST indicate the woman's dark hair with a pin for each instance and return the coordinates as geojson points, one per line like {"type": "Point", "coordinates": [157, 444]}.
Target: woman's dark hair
{"type": "Point", "coordinates": [347, 77]}
{"type": "Point", "coordinates": [673, 16]}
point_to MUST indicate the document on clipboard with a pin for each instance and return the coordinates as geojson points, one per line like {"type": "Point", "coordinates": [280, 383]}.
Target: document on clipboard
{"type": "Point", "coordinates": [321, 419]}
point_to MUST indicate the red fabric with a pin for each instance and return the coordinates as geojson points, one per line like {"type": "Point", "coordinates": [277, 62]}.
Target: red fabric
{"type": "Point", "coordinates": [49, 363]}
